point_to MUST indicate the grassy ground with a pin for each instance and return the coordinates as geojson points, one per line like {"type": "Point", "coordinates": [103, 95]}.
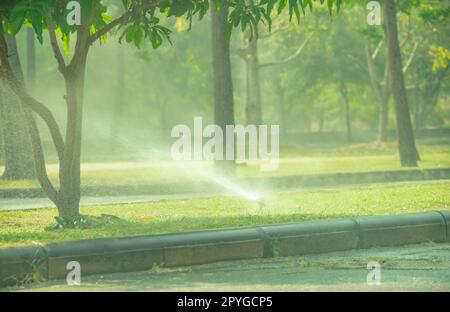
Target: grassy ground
{"type": "Point", "coordinates": [25, 227]}
{"type": "Point", "coordinates": [358, 157]}
{"type": "Point", "coordinates": [410, 268]}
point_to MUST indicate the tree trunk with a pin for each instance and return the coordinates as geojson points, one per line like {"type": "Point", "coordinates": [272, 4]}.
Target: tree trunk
{"type": "Point", "coordinates": [70, 180]}
{"type": "Point", "coordinates": [116, 124]}
{"type": "Point", "coordinates": [406, 141]}
{"type": "Point", "coordinates": [67, 198]}
{"type": "Point", "coordinates": [18, 157]}
{"type": "Point", "coordinates": [31, 59]}
{"type": "Point", "coordinates": [253, 109]}
{"type": "Point", "coordinates": [348, 122]}
{"type": "Point", "coordinates": [281, 107]}
{"type": "Point", "coordinates": [382, 94]}
{"type": "Point", "coordinates": [223, 85]}
{"type": "Point", "coordinates": [383, 120]}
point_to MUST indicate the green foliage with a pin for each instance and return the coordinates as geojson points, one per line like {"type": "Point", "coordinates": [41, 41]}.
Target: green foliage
{"type": "Point", "coordinates": [69, 222]}
{"type": "Point", "coordinates": [143, 21]}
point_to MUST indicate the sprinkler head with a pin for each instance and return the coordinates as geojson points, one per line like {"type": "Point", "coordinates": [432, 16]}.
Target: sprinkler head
{"type": "Point", "coordinates": [261, 203]}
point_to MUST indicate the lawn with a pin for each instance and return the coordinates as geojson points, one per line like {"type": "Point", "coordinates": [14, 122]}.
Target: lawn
{"type": "Point", "coordinates": [170, 216]}
{"type": "Point", "coordinates": [358, 157]}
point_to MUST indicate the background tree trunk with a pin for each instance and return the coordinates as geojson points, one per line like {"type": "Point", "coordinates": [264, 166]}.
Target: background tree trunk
{"type": "Point", "coordinates": [17, 148]}
{"type": "Point", "coordinates": [281, 107]}
{"type": "Point", "coordinates": [31, 59]}
{"type": "Point", "coordinates": [116, 124]}
{"type": "Point", "coordinates": [382, 93]}
{"type": "Point", "coordinates": [253, 109]}
{"type": "Point", "coordinates": [406, 141]}
{"type": "Point", "coordinates": [223, 85]}
{"type": "Point", "coordinates": [348, 122]}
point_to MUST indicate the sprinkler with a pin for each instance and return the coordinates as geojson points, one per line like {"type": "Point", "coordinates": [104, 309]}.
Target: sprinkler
{"type": "Point", "coordinates": [261, 203]}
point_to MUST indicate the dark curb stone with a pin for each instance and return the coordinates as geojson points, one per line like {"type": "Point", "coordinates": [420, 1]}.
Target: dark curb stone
{"type": "Point", "coordinates": [446, 215]}
{"type": "Point", "coordinates": [17, 264]}
{"type": "Point", "coordinates": [311, 237]}
{"type": "Point", "coordinates": [401, 229]}
{"type": "Point", "coordinates": [105, 255]}
{"type": "Point", "coordinates": [212, 246]}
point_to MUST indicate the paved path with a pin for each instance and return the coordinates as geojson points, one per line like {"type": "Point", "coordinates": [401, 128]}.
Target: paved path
{"type": "Point", "coordinates": [9, 204]}
{"type": "Point", "coordinates": [38, 203]}
{"type": "Point", "coordinates": [409, 268]}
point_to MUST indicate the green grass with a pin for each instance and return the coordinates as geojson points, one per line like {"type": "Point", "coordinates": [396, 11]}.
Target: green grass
{"type": "Point", "coordinates": [25, 227]}
{"type": "Point", "coordinates": [358, 157]}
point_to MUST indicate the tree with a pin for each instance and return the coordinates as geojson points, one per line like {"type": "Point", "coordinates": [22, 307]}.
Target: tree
{"type": "Point", "coordinates": [117, 110]}
{"type": "Point", "coordinates": [381, 86]}
{"type": "Point", "coordinates": [223, 84]}
{"type": "Point", "coordinates": [31, 59]}
{"type": "Point", "coordinates": [428, 75]}
{"type": "Point", "coordinates": [18, 158]}
{"type": "Point", "coordinates": [406, 141]}
{"type": "Point", "coordinates": [140, 20]}
{"type": "Point", "coordinates": [250, 54]}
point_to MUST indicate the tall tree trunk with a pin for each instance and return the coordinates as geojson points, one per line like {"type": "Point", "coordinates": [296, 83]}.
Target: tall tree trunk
{"type": "Point", "coordinates": [406, 141]}
{"type": "Point", "coordinates": [253, 109]}
{"type": "Point", "coordinates": [116, 124]}
{"type": "Point", "coordinates": [18, 157]}
{"type": "Point", "coordinates": [281, 107]}
{"type": "Point", "coordinates": [382, 93]}
{"type": "Point", "coordinates": [70, 180]}
{"type": "Point", "coordinates": [383, 120]}
{"type": "Point", "coordinates": [348, 122]}
{"type": "Point", "coordinates": [223, 85]}
{"type": "Point", "coordinates": [31, 59]}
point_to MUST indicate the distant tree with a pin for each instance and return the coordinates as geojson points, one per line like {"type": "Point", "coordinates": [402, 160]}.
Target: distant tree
{"type": "Point", "coordinates": [31, 59]}
{"type": "Point", "coordinates": [17, 149]}
{"type": "Point", "coordinates": [406, 141]}
{"type": "Point", "coordinates": [223, 84]}
{"type": "Point", "coordinates": [119, 101]}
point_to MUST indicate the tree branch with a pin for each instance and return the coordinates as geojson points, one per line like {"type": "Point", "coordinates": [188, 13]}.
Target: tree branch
{"type": "Point", "coordinates": [377, 49]}
{"type": "Point", "coordinates": [411, 56]}
{"type": "Point", "coordinates": [408, 33]}
{"type": "Point", "coordinates": [122, 19]}
{"type": "Point", "coordinates": [28, 100]}
{"type": "Point", "coordinates": [38, 154]}
{"type": "Point", "coordinates": [293, 56]}
{"type": "Point", "coordinates": [39, 159]}
{"type": "Point", "coordinates": [56, 51]}
{"type": "Point", "coordinates": [273, 32]}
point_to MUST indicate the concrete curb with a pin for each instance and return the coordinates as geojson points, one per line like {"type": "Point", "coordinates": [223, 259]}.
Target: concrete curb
{"type": "Point", "coordinates": [349, 178]}
{"type": "Point", "coordinates": [282, 182]}
{"type": "Point", "coordinates": [109, 255]}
